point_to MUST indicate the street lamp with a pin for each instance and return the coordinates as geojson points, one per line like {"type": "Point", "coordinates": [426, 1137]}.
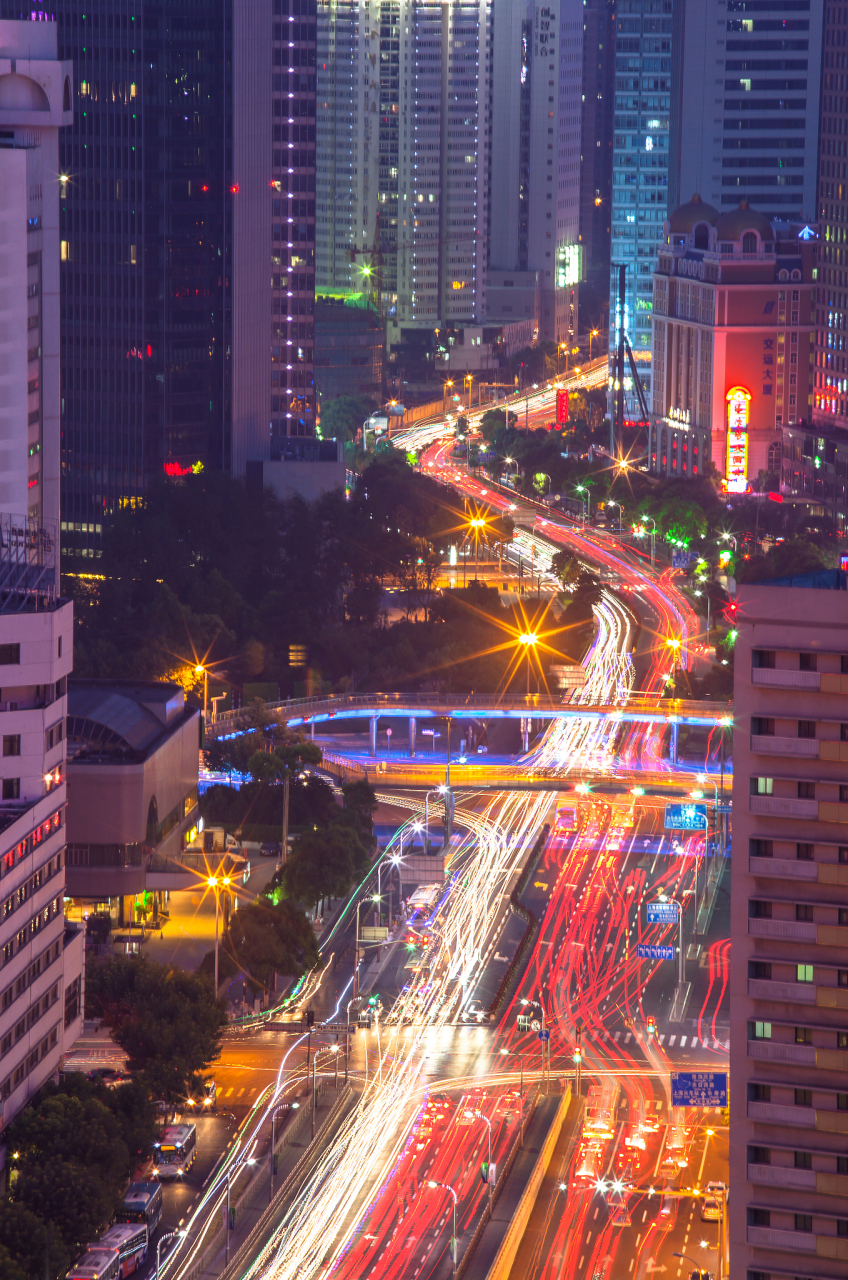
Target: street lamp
{"type": "Point", "coordinates": [653, 539]}
{"type": "Point", "coordinates": [528, 639]}
{"type": "Point", "coordinates": [593, 333]}
{"type": "Point", "coordinates": [168, 1236]}
{"type": "Point", "coordinates": [214, 882]}
{"type": "Point", "coordinates": [449, 383]}
{"type": "Point", "coordinates": [676, 646]}
{"type": "Point", "coordinates": [469, 381]}
{"type": "Point", "coordinates": [612, 503]}
{"type": "Point", "coordinates": [200, 670]}
{"type": "Point", "coordinates": [477, 523]}
{"type": "Point", "coordinates": [584, 501]}
{"type": "Point", "coordinates": [449, 1188]}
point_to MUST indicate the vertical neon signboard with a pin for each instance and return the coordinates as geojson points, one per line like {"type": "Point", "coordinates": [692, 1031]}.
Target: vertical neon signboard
{"type": "Point", "coordinates": [738, 416]}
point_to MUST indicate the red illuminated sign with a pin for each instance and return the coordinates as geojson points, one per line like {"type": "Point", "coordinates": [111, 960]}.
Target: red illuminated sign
{"type": "Point", "coordinates": [562, 408]}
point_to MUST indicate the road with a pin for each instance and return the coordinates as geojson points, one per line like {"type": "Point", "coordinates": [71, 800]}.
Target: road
{"type": "Point", "coordinates": [434, 1069]}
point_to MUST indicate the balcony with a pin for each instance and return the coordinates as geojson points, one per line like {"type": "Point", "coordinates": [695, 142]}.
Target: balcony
{"type": "Point", "coordinates": [793, 930]}
{"type": "Point", "coordinates": [797, 992]}
{"type": "Point", "coordinates": [772, 1238]}
{"type": "Point", "coordinates": [834, 751]}
{"type": "Point", "coordinates": [769, 744]}
{"type": "Point", "coordinates": [779, 678]}
{"type": "Point", "coordinates": [767, 1051]}
{"type": "Point", "coordinates": [784, 807]}
{"type": "Point", "coordinates": [778, 1113]}
{"type": "Point", "coordinates": [772, 1175]}
{"type": "Point", "coordinates": [784, 868]}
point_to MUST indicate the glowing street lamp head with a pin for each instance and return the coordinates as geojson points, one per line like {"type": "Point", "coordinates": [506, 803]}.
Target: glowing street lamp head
{"type": "Point", "coordinates": [199, 670]}
{"type": "Point", "coordinates": [528, 638]}
{"type": "Point", "coordinates": [673, 643]}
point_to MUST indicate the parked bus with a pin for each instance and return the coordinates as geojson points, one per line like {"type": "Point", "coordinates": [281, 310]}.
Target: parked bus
{"type": "Point", "coordinates": [175, 1152]}
{"type": "Point", "coordinates": [142, 1202]}
{"type": "Point", "coordinates": [131, 1240]}
{"type": "Point", "coordinates": [98, 1263]}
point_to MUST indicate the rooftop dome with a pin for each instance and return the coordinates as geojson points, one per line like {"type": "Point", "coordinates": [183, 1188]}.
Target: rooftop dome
{"type": "Point", "coordinates": [686, 217]}
{"type": "Point", "coordinates": [733, 225]}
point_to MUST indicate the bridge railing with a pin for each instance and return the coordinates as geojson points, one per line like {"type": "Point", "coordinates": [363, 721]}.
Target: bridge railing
{"type": "Point", "coordinates": [336, 706]}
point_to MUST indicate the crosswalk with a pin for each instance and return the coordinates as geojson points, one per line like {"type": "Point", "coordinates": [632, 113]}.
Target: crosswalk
{"type": "Point", "coordinates": [693, 1041]}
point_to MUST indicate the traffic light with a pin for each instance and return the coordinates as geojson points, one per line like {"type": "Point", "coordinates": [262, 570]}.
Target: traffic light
{"type": "Point", "coordinates": [425, 940]}
{"type": "Point", "coordinates": [310, 1017]}
{"type": "Point", "coordinates": [652, 1026]}
{"type": "Point", "coordinates": [373, 1000]}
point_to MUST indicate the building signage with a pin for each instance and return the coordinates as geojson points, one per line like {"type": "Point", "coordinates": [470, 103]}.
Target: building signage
{"type": "Point", "coordinates": [680, 415]}
{"type": "Point", "coordinates": [699, 1088]}
{"type": "Point", "coordinates": [562, 408]}
{"type": "Point", "coordinates": [662, 912]}
{"type": "Point", "coordinates": [569, 265]}
{"type": "Point", "coordinates": [738, 416]}
{"type": "Point", "coordinates": [685, 817]}
{"type": "Point", "coordinates": [645, 952]}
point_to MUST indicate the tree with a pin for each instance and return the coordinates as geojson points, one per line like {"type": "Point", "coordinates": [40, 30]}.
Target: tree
{"type": "Point", "coordinates": [565, 566]}
{"type": "Point", "coordinates": [325, 864]}
{"type": "Point", "coordinates": [342, 417]}
{"type": "Point", "coordinates": [29, 1247]}
{"type": "Point", "coordinates": [269, 936]}
{"type": "Point", "coordinates": [167, 1021]}
{"type": "Point", "coordinates": [360, 800]}
{"type": "Point", "coordinates": [73, 1197]}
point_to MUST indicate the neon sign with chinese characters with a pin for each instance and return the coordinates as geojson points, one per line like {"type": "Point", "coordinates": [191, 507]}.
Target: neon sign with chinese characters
{"type": "Point", "coordinates": [738, 416]}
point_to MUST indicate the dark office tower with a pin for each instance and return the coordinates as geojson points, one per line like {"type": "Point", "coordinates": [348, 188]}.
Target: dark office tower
{"type": "Point", "coordinates": [830, 395]}
{"type": "Point", "coordinates": [596, 142]}
{"type": "Point", "coordinates": [186, 222]}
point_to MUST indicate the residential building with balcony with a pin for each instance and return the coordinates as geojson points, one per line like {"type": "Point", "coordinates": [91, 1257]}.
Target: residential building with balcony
{"type": "Point", "coordinates": [133, 756]}
{"type": "Point", "coordinates": [788, 1208]}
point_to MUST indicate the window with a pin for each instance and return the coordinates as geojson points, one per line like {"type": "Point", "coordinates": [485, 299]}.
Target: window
{"type": "Point", "coordinates": [842, 1227]}
{"type": "Point", "coordinates": [762, 727]}
{"type": "Point", "coordinates": [59, 653]}
{"type": "Point", "coordinates": [843, 854]}
{"type": "Point", "coordinates": [760, 848]}
{"type": "Point", "coordinates": [759, 1218]}
{"type": "Point", "coordinates": [806, 728]}
{"type": "Point", "coordinates": [803, 1035]}
{"type": "Point", "coordinates": [843, 664]}
{"type": "Point", "coordinates": [807, 662]}
{"type": "Point", "coordinates": [807, 791]}
{"type": "Point", "coordinates": [759, 1093]}
{"type": "Point", "coordinates": [805, 973]}
{"type": "Point", "coordinates": [759, 910]}
{"type": "Point", "coordinates": [749, 242]}
{"type": "Point", "coordinates": [804, 911]}
{"type": "Point", "coordinates": [759, 1031]}
{"type": "Point", "coordinates": [10, 655]}
{"type": "Point", "coordinates": [843, 732]}
{"type": "Point", "coordinates": [762, 786]}
{"type": "Point", "coordinates": [843, 793]}
{"type": "Point", "coordinates": [11, 788]}
{"type": "Point", "coordinates": [11, 744]}
{"type": "Point", "coordinates": [842, 1039]}
{"type": "Point", "coordinates": [759, 969]}
{"type": "Point", "coordinates": [842, 1164]}
{"type": "Point", "coordinates": [803, 1222]}
{"type": "Point", "coordinates": [803, 1159]}
{"type": "Point", "coordinates": [842, 977]}
{"type": "Point", "coordinates": [804, 1097]}
{"type": "Point", "coordinates": [759, 1155]}
{"type": "Point", "coordinates": [763, 658]}
{"type": "Point", "coordinates": [804, 852]}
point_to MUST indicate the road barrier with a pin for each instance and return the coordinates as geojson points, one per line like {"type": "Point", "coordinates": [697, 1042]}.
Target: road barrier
{"type": "Point", "coordinates": [526, 914]}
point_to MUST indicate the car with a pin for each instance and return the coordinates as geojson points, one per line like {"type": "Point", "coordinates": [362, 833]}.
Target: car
{"type": "Point", "coordinates": [701, 1275]}
{"type": "Point", "coordinates": [270, 849]}
{"type": "Point", "coordinates": [482, 750]}
{"type": "Point", "coordinates": [620, 1213]}
{"type": "Point", "coordinates": [710, 1209]}
{"type": "Point", "coordinates": [108, 1076]}
{"type": "Point", "coordinates": [717, 1189]}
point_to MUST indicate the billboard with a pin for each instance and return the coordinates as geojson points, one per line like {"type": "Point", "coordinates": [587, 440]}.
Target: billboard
{"type": "Point", "coordinates": [738, 416]}
{"type": "Point", "coordinates": [562, 408]}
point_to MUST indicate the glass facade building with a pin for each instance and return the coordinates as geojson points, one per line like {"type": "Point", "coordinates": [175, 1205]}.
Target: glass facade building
{"type": "Point", "coordinates": [640, 158]}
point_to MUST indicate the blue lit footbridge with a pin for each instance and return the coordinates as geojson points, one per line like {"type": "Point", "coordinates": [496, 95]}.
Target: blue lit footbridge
{"type": "Point", "coordinates": [664, 716]}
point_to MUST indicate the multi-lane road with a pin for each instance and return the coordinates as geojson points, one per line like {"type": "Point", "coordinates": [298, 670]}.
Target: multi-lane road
{"type": "Point", "coordinates": [435, 1075]}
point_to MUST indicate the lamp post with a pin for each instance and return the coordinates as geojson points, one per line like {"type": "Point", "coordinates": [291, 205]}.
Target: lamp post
{"type": "Point", "coordinates": [707, 594]}
{"type": "Point", "coordinates": [676, 645]}
{"type": "Point", "coordinates": [468, 380]}
{"type": "Point", "coordinates": [612, 503]}
{"type": "Point", "coordinates": [284, 1106]}
{"type": "Point", "coordinates": [214, 882]}
{"type": "Point", "coordinates": [449, 383]}
{"type": "Point", "coordinates": [584, 501]}
{"type": "Point", "coordinates": [477, 523]}
{"type": "Point", "coordinates": [653, 539]}
{"type": "Point", "coordinates": [528, 639]}
{"type": "Point", "coordinates": [593, 333]}
{"type": "Point", "coordinates": [200, 670]}
{"type": "Point", "coordinates": [168, 1236]}
{"type": "Point", "coordinates": [446, 1186]}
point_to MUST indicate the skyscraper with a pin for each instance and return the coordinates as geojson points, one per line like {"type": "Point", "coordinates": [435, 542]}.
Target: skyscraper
{"type": "Point", "coordinates": [187, 229]}
{"type": "Point", "coordinates": [643, 62]}
{"type": "Point", "coordinates": [746, 118]}
{"type": "Point", "coordinates": [596, 143]}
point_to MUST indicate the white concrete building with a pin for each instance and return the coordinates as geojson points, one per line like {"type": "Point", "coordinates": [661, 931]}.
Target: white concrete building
{"type": "Point", "coordinates": [35, 101]}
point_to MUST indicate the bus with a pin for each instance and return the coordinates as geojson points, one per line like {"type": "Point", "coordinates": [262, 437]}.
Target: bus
{"type": "Point", "coordinates": [131, 1240]}
{"type": "Point", "coordinates": [142, 1202]}
{"type": "Point", "coordinates": [566, 816]}
{"type": "Point", "coordinates": [175, 1152]}
{"type": "Point", "coordinates": [98, 1263]}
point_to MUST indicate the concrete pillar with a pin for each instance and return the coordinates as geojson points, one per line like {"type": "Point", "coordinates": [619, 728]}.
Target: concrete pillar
{"type": "Point", "coordinates": [413, 724]}
{"type": "Point", "coordinates": [674, 729]}
{"type": "Point", "coordinates": [372, 735]}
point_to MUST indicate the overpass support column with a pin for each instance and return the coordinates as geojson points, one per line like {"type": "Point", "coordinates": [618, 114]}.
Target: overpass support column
{"type": "Point", "coordinates": [413, 725]}
{"type": "Point", "coordinates": [674, 732]}
{"type": "Point", "coordinates": [372, 735]}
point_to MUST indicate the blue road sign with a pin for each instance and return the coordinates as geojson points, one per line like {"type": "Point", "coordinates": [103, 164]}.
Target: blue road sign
{"type": "Point", "coordinates": [699, 1088]}
{"type": "Point", "coordinates": [544, 1035]}
{"type": "Point", "coordinates": [654, 953]}
{"type": "Point", "coordinates": [724, 808]}
{"type": "Point", "coordinates": [662, 912]}
{"type": "Point", "coordinates": [683, 559]}
{"type": "Point", "coordinates": [685, 817]}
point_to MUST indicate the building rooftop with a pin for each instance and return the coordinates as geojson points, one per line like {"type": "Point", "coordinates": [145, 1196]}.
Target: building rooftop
{"type": "Point", "coordinates": [820, 580]}
{"type": "Point", "coordinates": [121, 720]}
